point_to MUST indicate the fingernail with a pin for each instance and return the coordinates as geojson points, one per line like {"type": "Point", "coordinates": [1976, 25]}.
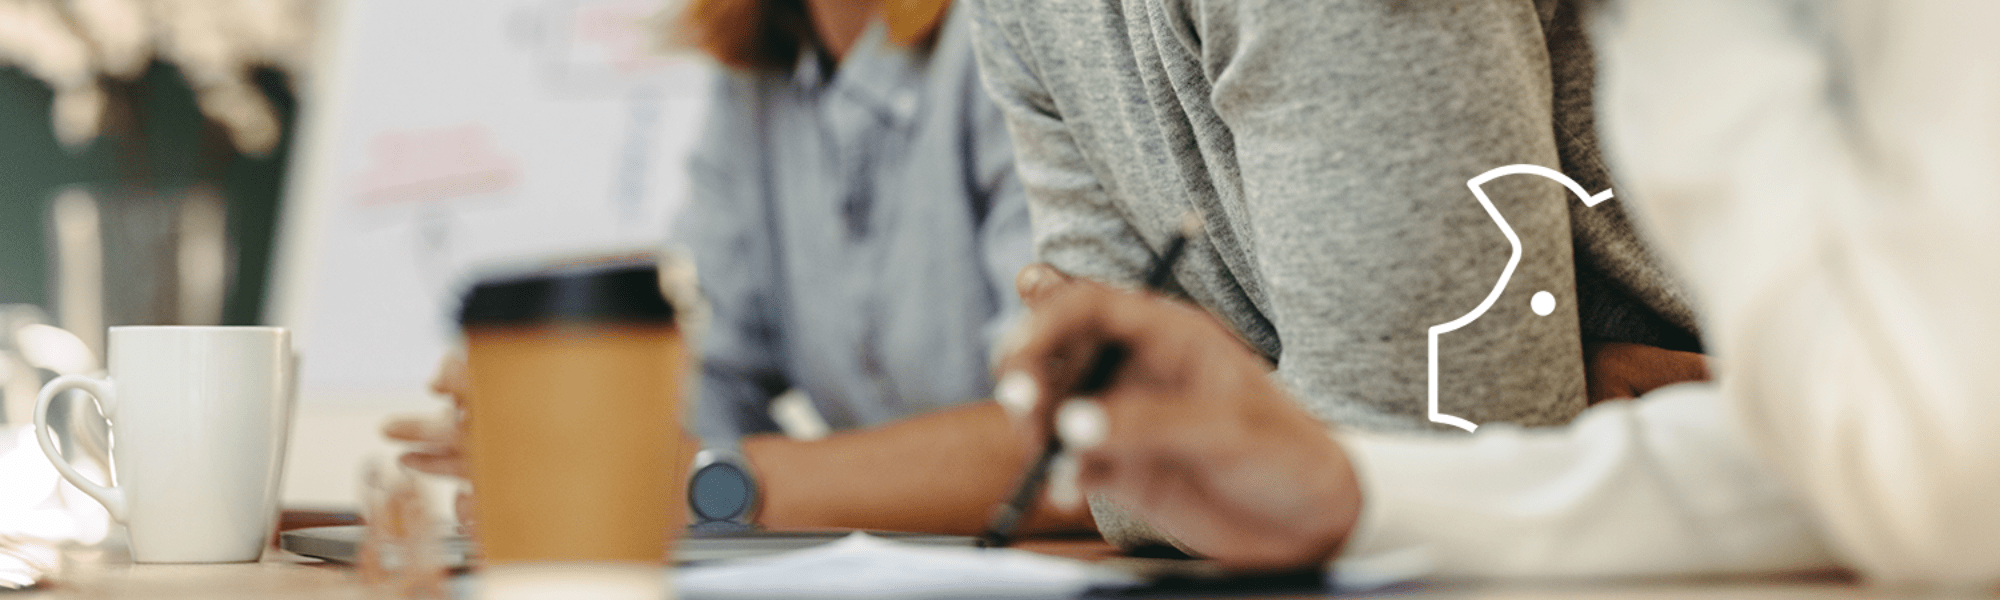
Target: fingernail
{"type": "Point", "coordinates": [1065, 491]}
{"type": "Point", "coordinates": [1082, 424]}
{"type": "Point", "coordinates": [1031, 278]}
{"type": "Point", "coordinates": [1016, 394]}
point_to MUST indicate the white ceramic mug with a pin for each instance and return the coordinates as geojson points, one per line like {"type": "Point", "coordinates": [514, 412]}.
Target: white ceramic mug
{"type": "Point", "coordinates": [199, 417]}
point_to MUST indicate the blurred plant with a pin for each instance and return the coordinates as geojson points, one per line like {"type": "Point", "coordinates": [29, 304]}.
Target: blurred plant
{"type": "Point", "coordinates": [90, 50]}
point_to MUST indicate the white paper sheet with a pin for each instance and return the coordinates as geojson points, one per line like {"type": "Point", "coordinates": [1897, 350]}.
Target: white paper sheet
{"type": "Point", "coordinates": [863, 566]}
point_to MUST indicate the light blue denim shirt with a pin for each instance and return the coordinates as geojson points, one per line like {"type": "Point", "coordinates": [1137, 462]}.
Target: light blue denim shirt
{"type": "Point", "coordinates": [857, 234]}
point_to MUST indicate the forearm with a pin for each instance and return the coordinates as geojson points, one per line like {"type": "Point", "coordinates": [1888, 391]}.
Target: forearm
{"type": "Point", "coordinates": [1661, 485]}
{"type": "Point", "coordinates": [942, 472]}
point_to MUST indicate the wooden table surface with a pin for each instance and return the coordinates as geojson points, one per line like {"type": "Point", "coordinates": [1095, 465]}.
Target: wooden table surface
{"type": "Point", "coordinates": [109, 574]}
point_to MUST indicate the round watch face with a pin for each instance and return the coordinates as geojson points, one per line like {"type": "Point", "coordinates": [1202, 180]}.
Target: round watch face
{"type": "Point", "coordinates": [721, 492]}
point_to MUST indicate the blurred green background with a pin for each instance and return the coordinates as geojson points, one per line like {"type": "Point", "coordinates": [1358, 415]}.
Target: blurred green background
{"type": "Point", "coordinates": [174, 148]}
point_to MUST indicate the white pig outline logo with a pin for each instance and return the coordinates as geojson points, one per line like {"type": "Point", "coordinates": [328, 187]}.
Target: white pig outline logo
{"type": "Point", "coordinates": [1513, 260]}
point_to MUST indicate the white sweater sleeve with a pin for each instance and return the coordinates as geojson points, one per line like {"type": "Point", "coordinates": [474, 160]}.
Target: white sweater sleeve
{"type": "Point", "coordinates": [1662, 485]}
{"type": "Point", "coordinates": [1826, 174]}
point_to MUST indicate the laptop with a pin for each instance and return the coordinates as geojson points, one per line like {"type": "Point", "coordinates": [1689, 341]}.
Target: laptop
{"type": "Point", "coordinates": [342, 543]}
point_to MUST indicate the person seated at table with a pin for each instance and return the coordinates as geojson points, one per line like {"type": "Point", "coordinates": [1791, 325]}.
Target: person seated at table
{"type": "Point", "coordinates": [1327, 147]}
{"type": "Point", "coordinates": [856, 224]}
{"type": "Point", "coordinates": [1820, 172]}
{"type": "Point", "coordinates": [952, 466]}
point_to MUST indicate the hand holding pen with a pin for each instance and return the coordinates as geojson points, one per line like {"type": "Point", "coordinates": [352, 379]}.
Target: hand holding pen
{"type": "Point", "coordinates": [1187, 431]}
{"type": "Point", "coordinates": [1101, 364]}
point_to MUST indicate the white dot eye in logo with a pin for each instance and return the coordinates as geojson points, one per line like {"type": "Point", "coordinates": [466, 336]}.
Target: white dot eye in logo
{"type": "Point", "coordinates": [1543, 302]}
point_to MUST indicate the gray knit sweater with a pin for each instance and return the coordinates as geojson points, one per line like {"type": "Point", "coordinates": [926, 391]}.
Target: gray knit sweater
{"type": "Point", "coordinates": [1326, 145]}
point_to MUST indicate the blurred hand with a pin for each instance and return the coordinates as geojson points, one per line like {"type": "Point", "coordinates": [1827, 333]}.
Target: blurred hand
{"type": "Point", "coordinates": [1190, 433]}
{"type": "Point", "coordinates": [1616, 370]}
{"type": "Point", "coordinates": [438, 446]}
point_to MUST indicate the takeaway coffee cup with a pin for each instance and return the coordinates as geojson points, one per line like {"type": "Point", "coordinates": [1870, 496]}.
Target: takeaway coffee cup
{"type": "Point", "coordinates": [572, 425]}
{"type": "Point", "coordinates": [199, 417]}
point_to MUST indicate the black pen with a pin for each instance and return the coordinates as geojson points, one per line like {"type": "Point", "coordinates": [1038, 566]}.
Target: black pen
{"type": "Point", "coordinates": [1008, 516]}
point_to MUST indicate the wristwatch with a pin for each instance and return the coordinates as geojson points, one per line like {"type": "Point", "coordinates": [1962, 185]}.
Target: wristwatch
{"type": "Point", "coordinates": [722, 491]}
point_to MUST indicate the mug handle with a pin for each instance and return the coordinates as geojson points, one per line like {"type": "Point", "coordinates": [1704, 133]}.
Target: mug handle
{"type": "Point", "coordinates": [113, 500]}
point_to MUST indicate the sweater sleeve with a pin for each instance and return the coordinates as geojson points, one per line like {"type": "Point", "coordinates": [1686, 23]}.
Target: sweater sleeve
{"type": "Point", "coordinates": [1824, 173]}
{"type": "Point", "coordinates": [1665, 485]}
{"type": "Point", "coordinates": [1356, 126]}
{"type": "Point", "coordinates": [1005, 234]}
{"type": "Point", "coordinates": [1077, 226]}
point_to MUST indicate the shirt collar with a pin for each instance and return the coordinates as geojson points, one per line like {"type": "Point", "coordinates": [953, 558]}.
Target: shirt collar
{"type": "Point", "coordinates": [876, 74]}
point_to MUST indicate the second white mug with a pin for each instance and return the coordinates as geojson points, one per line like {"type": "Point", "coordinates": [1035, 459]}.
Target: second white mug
{"type": "Point", "coordinates": [199, 418]}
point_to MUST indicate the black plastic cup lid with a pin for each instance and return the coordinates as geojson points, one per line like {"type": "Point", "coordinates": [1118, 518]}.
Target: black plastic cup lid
{"type": "Point", "coordinates": [627, 292]}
